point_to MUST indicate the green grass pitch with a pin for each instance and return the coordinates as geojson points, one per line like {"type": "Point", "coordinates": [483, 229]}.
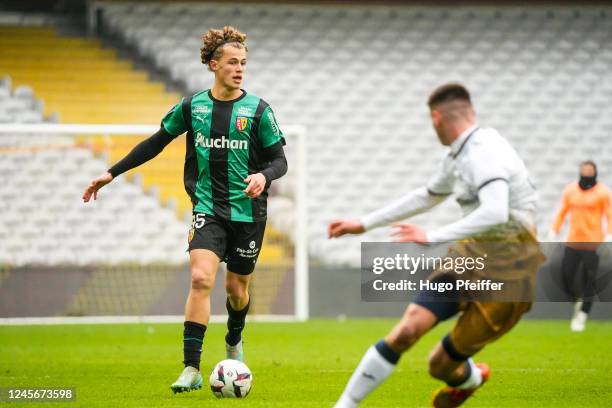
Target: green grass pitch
{"type": "Point", "coordinates": [539, 364]}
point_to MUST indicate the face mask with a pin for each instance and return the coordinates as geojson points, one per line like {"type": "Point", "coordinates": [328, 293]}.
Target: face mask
{"type": "Point", "coordinates": [586, 183]}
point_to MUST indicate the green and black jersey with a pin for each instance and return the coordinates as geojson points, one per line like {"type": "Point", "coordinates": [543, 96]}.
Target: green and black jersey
{"type": "Point", "coordinates": [226, 141]}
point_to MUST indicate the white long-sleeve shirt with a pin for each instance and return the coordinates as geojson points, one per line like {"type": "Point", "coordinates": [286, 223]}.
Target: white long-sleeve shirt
{"type": "Point", "coordinates": [488, 179]}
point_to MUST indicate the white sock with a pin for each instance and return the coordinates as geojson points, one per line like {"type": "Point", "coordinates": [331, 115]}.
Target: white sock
{"type": "Point", "coordinates": [372, 371]}
{"type": "Point", "coordinates": [475, 378]}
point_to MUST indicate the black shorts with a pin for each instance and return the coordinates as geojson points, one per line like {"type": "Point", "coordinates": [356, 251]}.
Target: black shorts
{"type": "Point", "coordinates": [579, 272]}
{"type": "Point", "coordinates": [236, 243]}
{"type": "Point", "coordinates": [443, 305]}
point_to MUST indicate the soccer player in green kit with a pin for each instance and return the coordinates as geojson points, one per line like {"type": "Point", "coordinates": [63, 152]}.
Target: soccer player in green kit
{"type": "Point", "coordinates": [234, 151]}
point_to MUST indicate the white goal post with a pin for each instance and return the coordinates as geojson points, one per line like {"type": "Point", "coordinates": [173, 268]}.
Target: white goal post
{"type": "Point", "coordinates": [296, 138]}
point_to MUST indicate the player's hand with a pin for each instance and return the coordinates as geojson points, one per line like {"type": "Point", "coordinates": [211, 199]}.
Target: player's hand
{"type": "Point", "coordinates": [95, 185]}
{"type": "Point", "coordinates": [256, 184]}
{"type": "Point", "coordinates": [409, 233]}
{"type": "Point", "coordinates": [338, 228]}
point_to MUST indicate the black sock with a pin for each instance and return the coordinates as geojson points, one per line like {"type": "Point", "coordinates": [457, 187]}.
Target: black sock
{"type": "Point", "coordinates": [387, 353]}
{"type": "Point", "coordinates": [586, 307]}
{"type": "Point", "coordinates": [468, 372]}
{"type": "Point", "coordinates": [235, 323]}
{"type": "Point", "coordinates": [193, 337]}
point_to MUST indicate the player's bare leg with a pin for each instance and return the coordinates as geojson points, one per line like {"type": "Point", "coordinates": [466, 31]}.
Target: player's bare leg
{"type": "Point", "coordinates": [380, 359]}
{"type": "Point", "coordinates": [415, 322]}
{"type": "Point", "coordinates": [238, 301]}
{"type": "Point", "coordinates": [204, 265]}
{"type": "Point", "coordinates": [462, 377]}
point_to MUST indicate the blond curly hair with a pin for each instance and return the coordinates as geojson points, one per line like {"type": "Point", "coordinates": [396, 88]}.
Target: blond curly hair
{"type": "Point", "coordinates": [214, 40]}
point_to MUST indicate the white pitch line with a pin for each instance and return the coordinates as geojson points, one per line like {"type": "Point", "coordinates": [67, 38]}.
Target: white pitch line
{"type": "Point", "coordinates": [27, 321]}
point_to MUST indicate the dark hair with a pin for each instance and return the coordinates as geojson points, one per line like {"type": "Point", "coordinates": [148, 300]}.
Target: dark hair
{"type": "Point", "coordinates": [448, 93]}
{"type": "Point", "coordinates": [214, 40]}
{"type": "Point", "coordinates": [589, 163]}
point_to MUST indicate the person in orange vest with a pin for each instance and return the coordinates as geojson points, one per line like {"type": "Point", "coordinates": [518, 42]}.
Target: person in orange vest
{"type": "Point", "coordinates": [588, 203]}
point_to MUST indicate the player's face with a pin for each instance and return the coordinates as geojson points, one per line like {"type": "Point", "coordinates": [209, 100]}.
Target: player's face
{"type": "Point", "coordinates": [437, 122]}
{"type": "Point", "coordinates": [586, 170]}
{"type": "Point", "coordinates": [229, 70]}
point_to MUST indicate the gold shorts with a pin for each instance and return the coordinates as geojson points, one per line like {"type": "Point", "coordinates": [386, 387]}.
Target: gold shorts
{"type": "Point", "coordinates": [482, 323]}
{"type": "Point", "coordinates": [514, 259]}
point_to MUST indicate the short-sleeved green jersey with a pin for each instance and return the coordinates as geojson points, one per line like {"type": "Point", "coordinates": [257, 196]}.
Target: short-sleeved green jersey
{"type": "Point", "coordinates": [226, 142]}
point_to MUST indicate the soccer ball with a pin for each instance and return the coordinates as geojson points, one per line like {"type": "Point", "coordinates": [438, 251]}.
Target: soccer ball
{"type": "Point", "coordinates": [231, 379]}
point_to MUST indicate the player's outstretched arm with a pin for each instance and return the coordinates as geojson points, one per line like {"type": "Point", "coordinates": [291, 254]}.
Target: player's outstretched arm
{"type": "Point", "coordinates": [143, 152]}
{"type": "Point", "coordinates": [95, 185]}
{"type": "Point", "coordinates": [411, 204]}
{"type": "Point", "coordinates": [338, 228]}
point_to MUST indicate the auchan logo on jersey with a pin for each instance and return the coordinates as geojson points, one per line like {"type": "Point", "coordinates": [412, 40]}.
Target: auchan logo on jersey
{"type": "Point", "coordinates": [221, 143]}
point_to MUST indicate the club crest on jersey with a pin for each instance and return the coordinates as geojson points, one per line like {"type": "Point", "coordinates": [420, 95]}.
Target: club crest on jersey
{"type": "Point", "coordinates": [241, 123]}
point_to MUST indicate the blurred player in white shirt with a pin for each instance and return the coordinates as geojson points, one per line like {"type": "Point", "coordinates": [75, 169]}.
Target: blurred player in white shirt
{"type": "Point", "coordinates": [492, 186]}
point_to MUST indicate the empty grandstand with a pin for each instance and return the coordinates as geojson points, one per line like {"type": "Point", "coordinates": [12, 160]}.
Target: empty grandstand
{"type": "Point", "coordinates": [359, 76]}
